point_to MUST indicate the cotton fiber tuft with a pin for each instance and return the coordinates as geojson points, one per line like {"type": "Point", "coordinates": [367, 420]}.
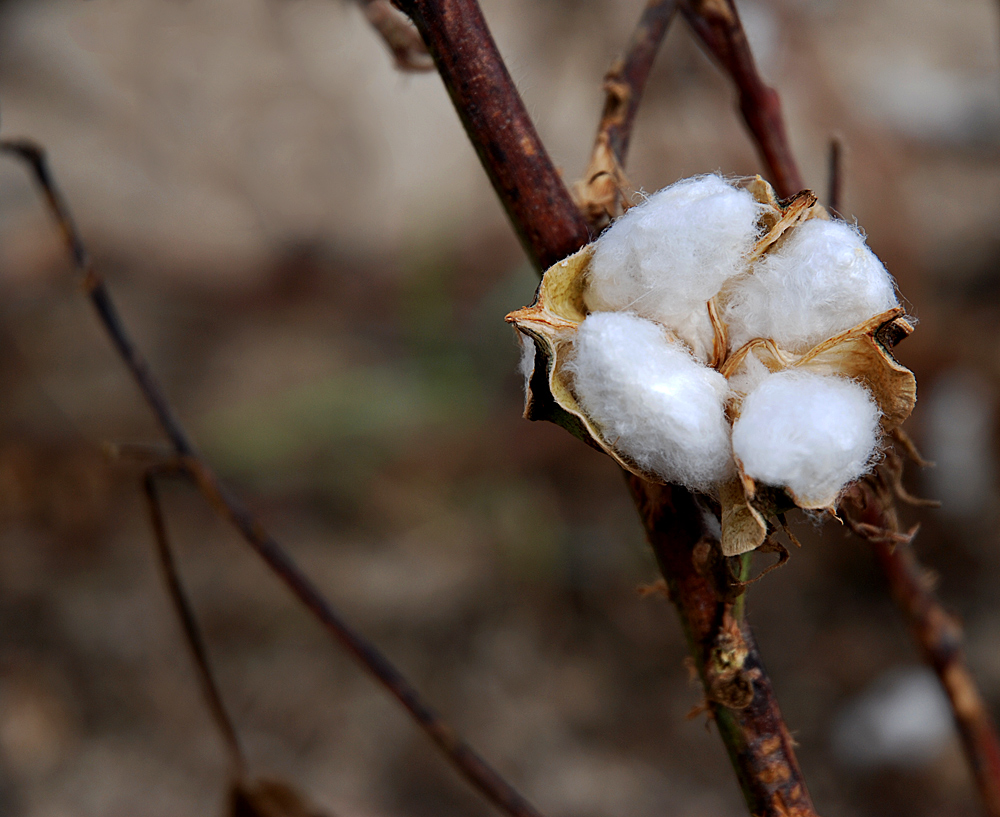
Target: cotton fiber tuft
{"type": "Point", "coordinates": [822, 281]}
{"type": "Point", "coordinates": [665, 258]}
{"type": "Point", "coordinates": [807, 432]}
{"type": "Point", "coordinates": [654, 403]}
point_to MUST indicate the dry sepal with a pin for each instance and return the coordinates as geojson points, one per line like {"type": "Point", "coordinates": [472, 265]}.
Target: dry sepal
{"type": "Point", "coordinates": [861, 354]}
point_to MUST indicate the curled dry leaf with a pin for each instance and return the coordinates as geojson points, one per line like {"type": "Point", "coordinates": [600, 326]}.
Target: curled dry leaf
{"type": "Point", "coordinates": [862, 353]}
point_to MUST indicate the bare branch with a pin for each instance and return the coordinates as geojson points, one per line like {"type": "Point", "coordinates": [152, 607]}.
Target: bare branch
{"type": "Point", "coordinates": [738, 689]}
{"type": "Point", "coordinates": [835, 174]}
{"type": "Point", "coordinates": [544, 215]}
{"type": "Point", "coordinates": [603, 183]}
{"type": "Point", "coordinates": [870, 508]}
{"type": "Point", "coordinates": [718, 26]}
{"type": "Point", "coordinates": [189, 622]}
{"type": "Point", "coordinates": [466, 760]}
{"type": "Point", "coordinates": [399, 35]}
{"type": "Point", "coordinates": [755, 736]}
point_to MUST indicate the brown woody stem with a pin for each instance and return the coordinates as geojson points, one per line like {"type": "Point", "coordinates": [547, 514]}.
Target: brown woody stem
{"type": "Point", "coordinates": [465, 759]}
{"type": "Point", "coordinates": [626, 79]}
{"type": "Point", "coordinates": [872, 515]}
{"type": "Point", "coordinates": [718, 26]}
{"type": "Point", "coordinates": [753, 731]}
{"type": "Point", "coordinates": [604, 186]}
{"type": "Point", "coordinates": [398, 34]}
{"type": "Point", "coordinates": [835, 175]}
{"type": "Point", "coordinates": [543, 214]}
{"type": "Point", "coordinates": [738, 690]}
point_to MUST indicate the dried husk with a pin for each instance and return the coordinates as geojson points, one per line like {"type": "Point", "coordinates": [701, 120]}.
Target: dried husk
{"type": "Point", "coordinates": [861, 353]}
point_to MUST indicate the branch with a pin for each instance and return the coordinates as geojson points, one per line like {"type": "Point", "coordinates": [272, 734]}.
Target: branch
{"type": "Point", "coordinates": [399, 35]}
{"type": "Point", "coordinates": [189, 622]}
{"type": "Point", "coordinates": [755, 736]}
{"type": "Point", "coordinates": [871, 512]}
{"type": "Point", "coordinates": [537, 202]}
{"type": "Point", "coordinates": [626, 79]}
{"type": "Point", "coordinates": [835, 174]}
{"type": "Point", "coordinates": [465, 759]}
{"type": "Point", "coordinates": [718, 26]}
{"type": "Point", "coordinates": [738, 691]}
{"type": "Point", "coordinates": [603, 182]}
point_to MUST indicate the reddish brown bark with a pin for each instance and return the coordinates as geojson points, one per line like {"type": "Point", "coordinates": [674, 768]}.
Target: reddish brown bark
{"type": "Point", "coordinates": [738, 690]}
{"type": "Point", "coordinates": [543, 214]}
{"type": "Point", "coordinates": [718, 26]}
{"type": "Point", "coordinates": [752, 729]}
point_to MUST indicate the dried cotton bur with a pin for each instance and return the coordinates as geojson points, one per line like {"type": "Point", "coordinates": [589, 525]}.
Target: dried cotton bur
{"type": "Point", "coordinates": [723, 340]}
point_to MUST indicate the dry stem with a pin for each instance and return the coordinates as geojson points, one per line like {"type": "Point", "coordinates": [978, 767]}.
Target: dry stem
{"type": "Point", "coordinates": [871, 512]}
{"type": "Point", "coordinates": [468, 762]}
{"type": "Point", "coordinates": [718, 26]}
{"type": "Point", "coordinates": [738, 690]}
{"type": "Point", "coordinates": [835, 175]}
{"type": "Point", "coordinates": [543, 214]}
{"type": "Point", "coordinates": [604, 182]}
{"type": "Point", "coordinates": [721, 644]}
{"type": "Point", "coordinates": [189, 621]}
{"type": "Point", "coordinates": [399, 35]}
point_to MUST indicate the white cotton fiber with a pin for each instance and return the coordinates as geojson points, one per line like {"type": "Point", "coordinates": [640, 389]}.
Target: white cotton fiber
{"type": "Point", "coordinates": [807, 432]}
{"type": "Point", "coordinates": [526, 364]}
{"type": "Point", "coordinates": [821, 281]}
{"type": "Point", "coordinates": [665, 258]}
{"type": "Point", "coordinates": [653, 402]}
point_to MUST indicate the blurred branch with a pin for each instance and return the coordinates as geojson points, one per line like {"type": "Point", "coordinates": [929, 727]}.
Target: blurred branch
{"type": "Point", "coordinates": [468, 762]}
{"type": "Point", "coordinates": [870, 510]}
{"type": "Point", "coordinates": [189, 622]}
{"type": "Point", "coordinates": [718, 26]}
{"type": "Point", "coordinates": [399, 35]}
{"type": "Point", "coordinates": [835, 174]}
{"type": "Point", "coordinates": [737, 686]}
{"type": "Point", "coordinates": [492, 112]}
{"type": "Point", "coordinates": [604, 181]}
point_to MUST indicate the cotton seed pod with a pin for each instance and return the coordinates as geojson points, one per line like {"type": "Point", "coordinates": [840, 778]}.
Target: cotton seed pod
{"type": "Point", "coordinates": [861, 353]}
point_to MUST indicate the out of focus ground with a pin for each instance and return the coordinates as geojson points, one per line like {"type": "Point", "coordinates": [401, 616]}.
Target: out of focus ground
{"type": "Point", "coordinates": [305, 246]}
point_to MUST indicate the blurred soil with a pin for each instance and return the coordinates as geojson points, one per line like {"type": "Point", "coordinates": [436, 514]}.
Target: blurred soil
{"type": "Point", "coordinates": [304, 245]}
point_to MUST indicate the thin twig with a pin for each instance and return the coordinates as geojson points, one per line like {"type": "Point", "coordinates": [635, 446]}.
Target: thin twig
{"type": "Point", "coordinates": [626, 79]}
{"type": "Point", "coordinates": [189, 622]}
{"type": "Point", "coordinates": [544, 216]}
{"type": "Point", "coordinates": [718, 26]}
{"type": "Point", "coordinates": [755, 735]}
{"type": "Point", "coordinates": [603, 183]}
{"type": "Point", "coordinates": [835, 174]}
{"type": "Point", "coordinates": [468, 762]}
{"type": "Point", "coordinates": [870, 507]}
{"type": "Point", "coordinates": [399, 35]}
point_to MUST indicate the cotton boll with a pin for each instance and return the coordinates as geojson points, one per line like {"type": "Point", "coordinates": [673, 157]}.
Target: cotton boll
{"type": "Point", "coordinates": [807, 432]}
{"type": "Point", "coordinates": [666, 257]}
{"type": "Point", "coordinates": [822, 281]}
{"type": "Point", "coordinates": [653, 402]}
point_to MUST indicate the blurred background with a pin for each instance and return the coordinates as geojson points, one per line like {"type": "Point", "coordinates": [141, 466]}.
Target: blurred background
{"type": "Point", "coordinates": [304, 244]}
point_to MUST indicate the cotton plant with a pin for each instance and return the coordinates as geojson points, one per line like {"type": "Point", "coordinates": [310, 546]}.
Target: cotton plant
{"type": "Point", "coordinates": [717, 338]}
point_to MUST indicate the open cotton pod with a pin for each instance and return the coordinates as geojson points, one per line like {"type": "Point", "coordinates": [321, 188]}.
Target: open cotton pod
{"type": "Point", "coordinates": [861, 356]}
{"type": "Point", "coordinates": [712, 319]}
{"type": "Point", "coordinates": [611, 275]}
